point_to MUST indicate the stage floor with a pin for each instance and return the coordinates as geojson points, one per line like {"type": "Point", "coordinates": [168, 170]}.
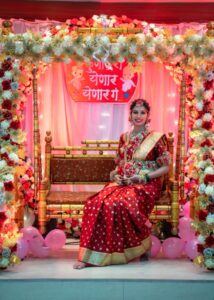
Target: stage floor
{"type": "Point", "coordinates": [154, 279]}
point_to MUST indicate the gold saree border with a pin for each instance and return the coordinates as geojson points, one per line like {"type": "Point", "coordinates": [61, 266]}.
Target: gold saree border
{"type": "Point", "coordinates": [104, 259]}
{"type": "Point", "coordinates": [147, 145]}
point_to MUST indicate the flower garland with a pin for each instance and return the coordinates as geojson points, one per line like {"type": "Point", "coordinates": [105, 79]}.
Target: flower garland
{"type": "Point", "coordinates": [200, 170]}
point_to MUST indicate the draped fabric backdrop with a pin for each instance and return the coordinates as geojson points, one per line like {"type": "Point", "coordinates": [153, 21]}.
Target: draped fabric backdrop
{"type": "Point", "coordinates": [70, 121]}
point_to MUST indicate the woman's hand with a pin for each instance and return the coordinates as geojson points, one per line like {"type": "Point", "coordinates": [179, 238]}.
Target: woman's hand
{"type": "Point", "coordinates": [131, 180]}
{"type": "Point", "coordinates": [118, 179]}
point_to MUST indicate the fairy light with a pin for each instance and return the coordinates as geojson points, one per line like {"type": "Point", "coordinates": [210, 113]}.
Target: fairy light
{"type": "Point", "coordinates": [39, 89]}
{"type": "Point", "coordinates": [176, 122]}
{"type": "Point", "coordinates": [105, 114]}
{"type": "Point", "coordinates": [41, 116]}
{"type": "Point", "coordinates": [101, 127]}
{"type": "Point", "coordinates": [172, 109]}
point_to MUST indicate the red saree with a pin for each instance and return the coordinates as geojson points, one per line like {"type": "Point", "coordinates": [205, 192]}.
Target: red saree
{"type": "Point", "coordinates": [114, 229]}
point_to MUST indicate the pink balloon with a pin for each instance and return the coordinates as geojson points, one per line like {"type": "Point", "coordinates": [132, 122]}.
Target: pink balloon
{"type": "Point", "coordinates": [172, 247]}
{"type": "Point", "coordinates": [55, 239]}
{"type": "Point", "coordinates": [185, 230]}
{"type": "Point", "coordinates": [186, 209]}
{"type": "Point", "coordinates": [22, 248]}
{"type": "Point", "coordinates": [191, 249]}
{"type": "Point", "coordinates": [29, 232]}
{"type": "Point", "coordinates": [156, 245]}
{"type": "Point", "coordinates": [36, 246]}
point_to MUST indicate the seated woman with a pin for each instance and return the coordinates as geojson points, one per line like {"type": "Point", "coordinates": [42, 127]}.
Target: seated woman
{"type": "Point", "coordinates": [115, 221]}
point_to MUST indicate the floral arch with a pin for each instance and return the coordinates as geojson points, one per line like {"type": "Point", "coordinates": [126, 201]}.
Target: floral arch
{"type": "Point", "coordinates": [109, 39]}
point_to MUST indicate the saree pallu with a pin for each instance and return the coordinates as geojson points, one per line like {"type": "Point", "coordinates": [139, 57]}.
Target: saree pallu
{"type": "Point", "coordinates": [114, 226]}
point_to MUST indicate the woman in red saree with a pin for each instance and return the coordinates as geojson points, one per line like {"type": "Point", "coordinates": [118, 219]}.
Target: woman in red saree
{"type": "Point", "coordinates": [115, 221]}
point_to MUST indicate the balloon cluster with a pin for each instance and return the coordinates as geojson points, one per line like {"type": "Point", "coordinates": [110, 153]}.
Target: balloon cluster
{"type": "Point", "coordinates": [33, 243]}
{"type": "Point", "coordinates": [173, 247]}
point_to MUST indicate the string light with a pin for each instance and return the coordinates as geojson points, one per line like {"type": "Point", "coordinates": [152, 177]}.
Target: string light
{"type": "Point", "coordinates": [101, 127]}
{"type": "Point", "coordinates": [176, 122]}
{"type": "Point", "coordinates": [105, 114]}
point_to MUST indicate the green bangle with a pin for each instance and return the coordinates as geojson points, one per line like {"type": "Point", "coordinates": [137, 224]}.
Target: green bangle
{"type": "Point", "coordinates": [147, 178]}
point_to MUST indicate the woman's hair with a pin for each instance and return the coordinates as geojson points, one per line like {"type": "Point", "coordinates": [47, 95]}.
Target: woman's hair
{"type": "Point", "coordinates": [140, 102]}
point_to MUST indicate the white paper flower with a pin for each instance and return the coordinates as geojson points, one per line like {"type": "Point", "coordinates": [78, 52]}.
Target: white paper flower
{"type": "Point", "coordinates": [58, 51]}
{"type": "Point", "coordinates": [140, 38]}
{"type": "Point", "coordinates": [133, 49]}
{"type": "Point", "coordinates": [202, 164]}
{"type": "Point", "coordinates": [19, 47]}
{"type": "Point", "coordinates": [27, 36]}
{"type": "Point", "coordinates": [178, 39]}
{"type": "Point", "coordinates": [115, 49]}
{"type": "Point", "coordinates": [8, 75]}
{"type": "Point", "coordinates": [121, 39]}
{"type": "Point", "coordinates": [8, 177]}
{"type": "Point", "coordinates": [47, 40]}
{"type": "Point", "coordinates": [209, 190]}
{"type": "Point", "coordinates": [5, 124]}
{"type": "Point", "coordinates": [198, 123]}
{"type": "Point", "coordinates": [14, 157]}
{"type": "Point", "coordinates": [201, 239]}
{"type": "Point", "coordinates": [207, 117]}
{"type": "Point", "coordinates": [210, 219]}
{"type": "Point", "coordinates": [7, 94]}
{"type": "Point", "coordinates": [104, 39]}
{"type": "Point", "coordinates": [37, 48]}
{"type": "Point", "coordinates": [209, 170]}
{"type": "Point", "coordinates": [199, 105]}
{"type": "Point", "coordinates": [3, 164]}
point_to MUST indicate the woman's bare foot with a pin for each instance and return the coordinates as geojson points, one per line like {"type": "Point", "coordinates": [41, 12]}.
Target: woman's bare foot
{"type": "Point", "coordinates": [79, 265]}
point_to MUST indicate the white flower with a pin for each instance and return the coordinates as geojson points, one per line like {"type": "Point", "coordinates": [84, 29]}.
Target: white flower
{"type": "Point", "coordinates": [121, 39]}
{"type": "Point", "coordinates": [5, 124]}
{"type": "Point", "coordinates": [19, 136]}
{"type": "Point", "coordinates": [208, 94]}
{"type": "Point", "coordinates": [57, 51]}
{"type": "Point", "coordinates": [199, 105]}
{"type": "Point", "coordinates": [133, 49]}
{"type": "Point", "coordinates": [19, 47]}
{"type": "Point", "coordinates": [58, 27]}
{"type": "Point", "coordinates": [8, 75]}
{"type": "Point", "coordinates": [201, 239]}
{"type": "Point", "coordinates": [210, 219]}
{"type": "Point", "coordinates": [196, 38]}
{"type": "Point", "coordinates": [201, 164]}
{"type": "Point", "coordinates": [141, 38]}
{"type": "Point", "coordinates": [209, 170]}
{"type": "Point", "coordinates": [209, 190]}
{"type": "Point", "coordinates": [115, 49]}
{"type": "Point", "coordinates": [178, 39]}
{"type": "Point", "coordinates": [47, 40]}
{"type": "Point", "coordinates": [14, 157]}
{"type": "Point", "coordinates": [27, 36]}
{"type": "Point", "coordinates": [198, 123]}
{"type": "Point", "coordinates": [25, 177]}
{"type": "Point", "coordinates": [7, 94]}
{"type": "Point", "coordinates": [80, 51]}
{"type": "Point", "coordinates": [8, 177]}
{"type": "Point", "coordinates": [37, 48]}
{"type": "Point", "coordinates": [1, 185]}
{"type": "Point", "coordinates": [207, 117]}
{"type": "Point", "coordinates": [88, 40]}
{"type": "Point", "coordinates": [104, 39]}
{"type": "Point", "coordinates": [2, 164]}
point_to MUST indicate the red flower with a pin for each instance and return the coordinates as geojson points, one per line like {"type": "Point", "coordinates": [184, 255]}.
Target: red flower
{"type": "Point", "coordinates": [6, 137]}
{"type": "Point", "coordinates": [207, 125]}
{"type": "Point", "coordinates": [208, 84]}
{"type": "Point", "coordinates": [207, 155]}
{"type": "Point", "coordinates": [200, 248]}
{"type": "Point", "coordinates": [209, 178]}
{"type": "Point", "coordinates": [3, 218]}
{"type": "Point", "coordinates": [210, 208]}
{"type": "Point", "coordinates": [209, 241]}
{"type": "Point", "coordinates": [8, 186]}
{"type": "Point", "coordinates": [15, 124]}
{"type": "Point", "coordinates": [5, 156]}
{"type": "Point", "coordinates": [29, 172]}
{"type": "Point", "coordinates": [7, 115]}
{"type": "Point", "coordinates": [7, 65]}
{"type": "Point", "coordinates": [10, 163]}
{"type": "Point", "coordinates": [6, 85]}
{"type": "Point", "coordinates": [25, 185]}
{"type": "Point", "coordinates": [202, 214]}
{"type": "Point", "coordinates": [207, 143]}
{"type": "Point", "coordinates": [6, 104]}
{"type": "Point", "coordinates": [1, 73]}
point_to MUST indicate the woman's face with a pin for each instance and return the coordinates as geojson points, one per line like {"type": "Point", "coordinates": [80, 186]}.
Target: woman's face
{"type": "Point", "coordinates": [139, 116]}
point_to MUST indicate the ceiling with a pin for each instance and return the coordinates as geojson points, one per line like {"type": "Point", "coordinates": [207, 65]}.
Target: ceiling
{"type": "Point", "coordinates": [156, 11]}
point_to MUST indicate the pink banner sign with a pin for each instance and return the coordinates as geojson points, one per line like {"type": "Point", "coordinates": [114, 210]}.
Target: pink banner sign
{"type": "Point", "coordinates": [101, 82]}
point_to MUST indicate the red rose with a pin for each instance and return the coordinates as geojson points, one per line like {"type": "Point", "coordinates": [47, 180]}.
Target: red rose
{"type": "Point", "coordinates": [26, 185]}
{"type": "Point", "coordinates": [207, 125]}
{"type": "Point", "coordinates": [6, 137]}
{"type": "Point", "coordinates": [15, 124]}
{"type": "Point", "coordinates": [210, 208]}
{"type": "Point", "coordinates": [207, 155]}
{"type": "Point", "coordinates": [10, 163]}
{"type": "Point", "coordinates": [8, 186]}
{"type": "Point", "coordinates": [6, 104]}
{"type": "Point", "coordinates": [209, 178]}
{"type": "Point", "coordinates": [3, 218]}
{"type": "Point", "coordinates": [74, 223]}
{"type": "Point", "coordinates": [4, 156]}
{"type": "Point", "coordinates": [202, 214]}
{"type": "Point", "coordinates": [207, 143]}
{"type": "Point", "coordinates": [6, 85]}
{"type": "Point", "coordinates": [29, 172]}
{"type": "Point", "coordinates": [200, 248]}
{"type": "Point", "coordinates": [7, 65]}
{"type": "Point", "coordinates": [7, 115]}
{"type": "Point", "coordinates": [1, 73]}
{"type": "Point", "coordinates": [209, 241]}
{"type": "Point", "coordinates": [208, 84]}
